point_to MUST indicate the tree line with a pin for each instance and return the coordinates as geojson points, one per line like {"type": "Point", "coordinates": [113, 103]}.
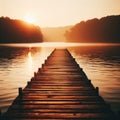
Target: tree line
{"type": "Point", "coordinates": [18, 31]}
{"type": "Point", "coordinates": [104, 30]}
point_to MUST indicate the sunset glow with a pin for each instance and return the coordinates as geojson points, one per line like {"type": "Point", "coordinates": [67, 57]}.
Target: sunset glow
{"type": "Point", "coordinates": [58, 12]}
{"type": "Point", "coordinates": [29, 19]}
{"type": "Point", "coordinates": [60, 59]}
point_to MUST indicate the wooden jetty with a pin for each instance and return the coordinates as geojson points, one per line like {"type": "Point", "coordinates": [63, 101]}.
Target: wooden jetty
{"type": "Point", "coordinates": [60, 90]}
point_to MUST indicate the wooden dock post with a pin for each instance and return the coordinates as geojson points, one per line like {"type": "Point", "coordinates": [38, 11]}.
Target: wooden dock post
{"type": "Point", "coordinates": [28, 84]}
{"type": "Point", "coordinates": [60, 90]}
{"type": "Point", "coordinates": [97, 90]}
{"type": "Point", "coordinates": [90, 81]}
{"type": "Point", "coordinates": [20, 91]}
{"type": "Point", "coordinates": [35, 74]}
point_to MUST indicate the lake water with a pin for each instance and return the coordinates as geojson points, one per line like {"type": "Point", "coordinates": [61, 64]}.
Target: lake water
{"type": "Point", "coordinates": [101, 64]}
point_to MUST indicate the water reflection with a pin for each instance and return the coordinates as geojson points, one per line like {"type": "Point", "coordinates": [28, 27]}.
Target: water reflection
{"type": "Point", "coordinates": [102, 66]}
{"type": "Point", "coordinates": [30, 62]}
{"type": "Point", "coordinates": [17, 66]}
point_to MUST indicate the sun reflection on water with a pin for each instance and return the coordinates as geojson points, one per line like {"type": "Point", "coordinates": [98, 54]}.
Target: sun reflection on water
{"type": "Point", "coordinates": [30, 62]}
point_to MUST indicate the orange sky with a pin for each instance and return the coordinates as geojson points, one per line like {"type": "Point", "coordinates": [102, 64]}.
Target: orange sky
{"type": "Point", "coordinates": [58, 12]}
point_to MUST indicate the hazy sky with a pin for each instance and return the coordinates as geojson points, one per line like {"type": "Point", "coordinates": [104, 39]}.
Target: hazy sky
{"type": "Point", "coordinates": [58, 12]}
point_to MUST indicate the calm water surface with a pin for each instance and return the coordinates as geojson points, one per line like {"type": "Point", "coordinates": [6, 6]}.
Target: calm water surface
{"type": "Point", "coordinates": [100, 63]}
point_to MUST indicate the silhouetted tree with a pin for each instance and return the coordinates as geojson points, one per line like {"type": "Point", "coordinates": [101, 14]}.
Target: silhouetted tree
{"type": "Point", "coordinates": [17, 31]}
{"type": "Point", "coordinates": [106, 29]}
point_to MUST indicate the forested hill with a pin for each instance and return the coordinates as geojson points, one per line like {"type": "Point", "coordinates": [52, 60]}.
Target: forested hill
{"type": "Point", "coordinates": [17, 31]}
{"type": "Point", "coordinates": [104, 30]}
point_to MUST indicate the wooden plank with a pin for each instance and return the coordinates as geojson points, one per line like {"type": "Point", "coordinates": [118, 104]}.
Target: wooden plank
{"type": "Point", "coordinates": [62, 115]}
{"type": "Point", "coordinates": [79, 107]}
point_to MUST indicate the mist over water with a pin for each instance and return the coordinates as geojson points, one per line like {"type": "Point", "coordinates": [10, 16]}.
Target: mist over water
{"type": "Point", "coordinates": [101, 64]}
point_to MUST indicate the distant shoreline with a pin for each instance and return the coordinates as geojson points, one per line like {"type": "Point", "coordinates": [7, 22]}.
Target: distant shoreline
{"type": "Point", "coordinates": [56, 44]}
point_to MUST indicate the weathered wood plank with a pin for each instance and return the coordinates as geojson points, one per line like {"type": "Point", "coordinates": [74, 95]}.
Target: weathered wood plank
{"type": "Point", "coordinates": [106, 116]}
{"type": "Point", "coordinates": [79, 107]}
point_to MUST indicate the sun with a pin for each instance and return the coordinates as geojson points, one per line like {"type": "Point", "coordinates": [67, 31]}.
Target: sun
{"type": "Point", "coordinates": [29, 19]}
